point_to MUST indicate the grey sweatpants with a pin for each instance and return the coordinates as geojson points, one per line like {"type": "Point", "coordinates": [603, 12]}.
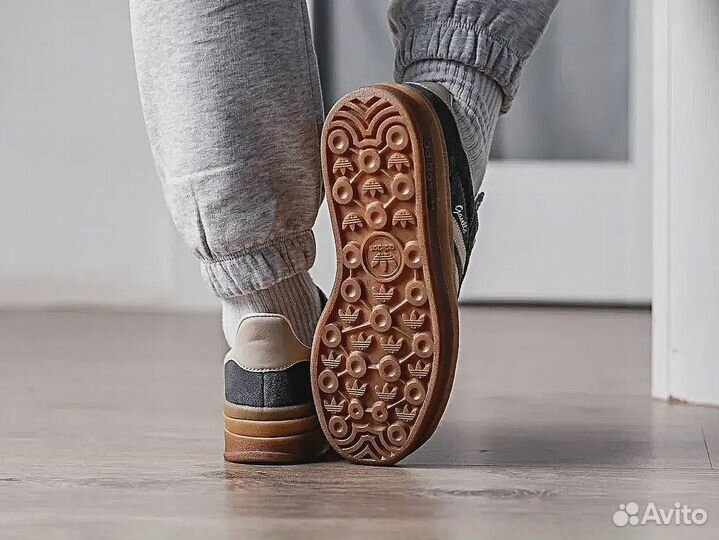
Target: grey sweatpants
{"type": "Point", "coordinates": [232, 102]}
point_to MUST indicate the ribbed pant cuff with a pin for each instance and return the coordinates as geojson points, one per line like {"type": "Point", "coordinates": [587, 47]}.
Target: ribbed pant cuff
{"type": "Point", "coordinates": [445, 45]}
{"type": "Point", "coordinates": [260, 266]}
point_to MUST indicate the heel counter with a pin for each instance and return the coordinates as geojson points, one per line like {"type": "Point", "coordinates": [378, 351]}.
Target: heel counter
{"type": "Point", "coordinates": [268, 366]}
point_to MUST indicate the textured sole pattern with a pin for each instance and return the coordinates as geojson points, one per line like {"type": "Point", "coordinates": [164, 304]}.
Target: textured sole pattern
{"type": "Point", "coordinates": [375, 352]}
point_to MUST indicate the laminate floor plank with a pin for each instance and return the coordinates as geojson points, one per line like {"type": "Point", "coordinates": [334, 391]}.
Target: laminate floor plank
{"type": "Point", "coordinates": [111, 427]}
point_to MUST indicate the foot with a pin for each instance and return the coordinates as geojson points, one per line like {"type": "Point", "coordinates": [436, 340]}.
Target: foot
{"type": "Point", "coordinates": [269, 415]}
{"type": "Point", "coordinates": [404, 219]}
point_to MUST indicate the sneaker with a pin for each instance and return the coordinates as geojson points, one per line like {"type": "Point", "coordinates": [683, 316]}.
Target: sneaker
{"type": "Point", "coordinates": [404, 220]}
{"type": "Point", "coordinates": [269, 415]}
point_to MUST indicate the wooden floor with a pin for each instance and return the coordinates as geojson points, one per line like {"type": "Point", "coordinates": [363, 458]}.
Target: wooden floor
{"type": "Point", "coordinates": [110, 427]}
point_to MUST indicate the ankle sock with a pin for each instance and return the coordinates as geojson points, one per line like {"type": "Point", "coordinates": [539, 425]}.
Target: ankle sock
{"type": "Point", "coordinates": [475, 101]}
{"type": "Point", "coordinates": [297, 298]}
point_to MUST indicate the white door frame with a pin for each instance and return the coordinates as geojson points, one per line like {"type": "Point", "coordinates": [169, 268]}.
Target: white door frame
{"type": "Point", "coordinates": [685, 314]}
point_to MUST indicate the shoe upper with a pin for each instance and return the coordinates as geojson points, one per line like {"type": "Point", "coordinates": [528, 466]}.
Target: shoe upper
{"type": "Point", "coordinates": [464, 203]}
{"type": "Point", "coordinates": [268, 366]}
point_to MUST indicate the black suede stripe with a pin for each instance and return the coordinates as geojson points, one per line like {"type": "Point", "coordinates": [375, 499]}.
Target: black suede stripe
{"type": "Point", "coordinates": [323, 298]}
{"type": "Point", "coordinates": [460, 179]}
{"type": "Point", "coordinates": [458, 262]}
{"type": "Point", "coordinates": [268, 389]}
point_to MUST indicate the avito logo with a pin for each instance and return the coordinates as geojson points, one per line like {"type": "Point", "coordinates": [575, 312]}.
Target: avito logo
{"type": "Point", "coordinates": [679, 514]}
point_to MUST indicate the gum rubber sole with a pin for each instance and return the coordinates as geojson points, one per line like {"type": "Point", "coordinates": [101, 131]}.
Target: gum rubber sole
{"type": "Point", "coordinates": [385, 349]}
{"type": "Point", "coordinates": [254, 435]}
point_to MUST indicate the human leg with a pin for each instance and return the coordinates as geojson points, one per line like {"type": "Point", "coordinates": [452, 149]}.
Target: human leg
{"type": "Point", "coordinates": [233, 109]}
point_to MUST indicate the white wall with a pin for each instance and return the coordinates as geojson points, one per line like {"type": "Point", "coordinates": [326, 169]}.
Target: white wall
{"type": "Point", "coordinates": [83, 220]}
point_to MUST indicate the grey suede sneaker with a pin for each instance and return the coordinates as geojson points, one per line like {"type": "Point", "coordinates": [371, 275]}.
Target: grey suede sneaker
{"type": "Point", "coordinates": [269, 414]}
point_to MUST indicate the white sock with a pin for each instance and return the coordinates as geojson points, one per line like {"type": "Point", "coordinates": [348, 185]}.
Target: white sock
{"type": "Point", "coordinates": [297, 298]}
{"type": "Point", "coordinates": [475, 104]}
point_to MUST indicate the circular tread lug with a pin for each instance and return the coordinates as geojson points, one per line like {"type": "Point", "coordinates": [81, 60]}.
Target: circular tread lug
{"type": "Point", "coordinates": [369, 160]}
{"type": "Point", "coordinates": [416, 293]}
{"type": "Point", "coordinates": [342, 191]}
{"type": "Point", "coordinates": [352, 255]}
{"type": "Point", "coordinates": [379, 411]}
{"type": "Point", "coordinates": [422, 345]}
{"type": "Point", "coordinates": [327, 381]}
{"type": "Point", "coordinates": [331, 335]}
{"type": "Point", "coordinates": [376, 215]}
{"type": "Point", "coordinates": [396, 434]}
{"type": "Point", "coordinates": [338, 426]}
{"type": "Point", "coordinates": [355, 409]}
{"type": "Point", "coordinates": [380, 318]}
{"type": "Point", "coordinates": [397, 137]}
{"type": "Point", "coordinates": [356, 364]}
{"type": "Point", "coordinates": [402, 187]}
{"type": "Point", "coordinates": [351, 290]}
{"type": "Point", "coordinates": [338, 141]}
{"type": "Point", "coordinates": [412, 254]}
{"type": "Point", "coordinates": [389, 368]}
{"type": "Point", "coordinates": [414, 392]}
